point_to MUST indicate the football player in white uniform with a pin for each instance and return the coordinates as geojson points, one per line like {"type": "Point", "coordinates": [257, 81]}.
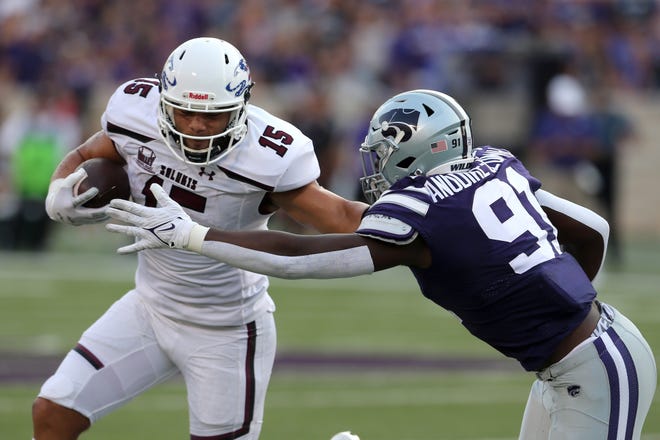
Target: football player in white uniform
{"type": "Point", "coordinates": [512, 261]}
{"type": "Point", "coordinates": [231, 165]}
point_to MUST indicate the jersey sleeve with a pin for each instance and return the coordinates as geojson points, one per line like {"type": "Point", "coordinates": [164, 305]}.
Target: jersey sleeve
{"type": "Point", "coordinates": [303, 169]}
{"type": "Point", "coordinates": [511, 160]}
{"type": "Point", "coordinates": [534, 183]}
{"type": "Point", "coordinates": [131, 113]}
{"type": "Point", "coordinates": [396, 216]}
{"type": "Point", "coordinates": [274, 153]}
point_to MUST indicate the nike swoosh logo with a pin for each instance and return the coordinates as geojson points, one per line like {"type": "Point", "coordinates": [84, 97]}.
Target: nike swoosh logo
{"type": "Point", "coordinates": [161, 228]}
{"type": "Point", "coordinates": [171, 226]}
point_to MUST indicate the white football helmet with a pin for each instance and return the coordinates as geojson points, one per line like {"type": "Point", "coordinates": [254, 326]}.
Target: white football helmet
{"type": "Point", "coordinates": [205, 75]}
{"type": "Point", "coordinates": [414, 133]}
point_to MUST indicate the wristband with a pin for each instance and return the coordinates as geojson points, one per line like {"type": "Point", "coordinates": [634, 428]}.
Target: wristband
{"type": "Point", "coordinates": [196, 240]}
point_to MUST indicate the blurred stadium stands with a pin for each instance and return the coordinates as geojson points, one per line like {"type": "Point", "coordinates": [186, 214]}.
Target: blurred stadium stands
{"type": "Point", "coordinates": [342, 58]}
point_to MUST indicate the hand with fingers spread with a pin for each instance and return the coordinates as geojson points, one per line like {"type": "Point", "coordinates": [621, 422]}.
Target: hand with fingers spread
{"type": "Point", "coordinates": [167, 225]}
{"type": "Point", "coordinates": [64, 206]}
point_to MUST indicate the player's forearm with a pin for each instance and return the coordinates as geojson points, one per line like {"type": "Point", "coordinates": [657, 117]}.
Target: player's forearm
{"type": "Point", "coordinates": [321, 209]}
{"type": "Point", "coordinates": [97, 145]}
{"type": "Point", "coordinates": [276, 254]}
{"type": "Point", "coordinates": [347, 219]}
{"type": "Point", "coordinates": [273, 253]}
{"type": "Point", "coordinates": [584, 233]}
{"type": "Point", "coordinates": [67, 165]}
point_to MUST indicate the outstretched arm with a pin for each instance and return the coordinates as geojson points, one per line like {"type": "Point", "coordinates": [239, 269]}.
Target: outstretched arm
{"type": "Point", "coordinates": [274, 253]}
{"type": "Point", "coordinates": [351, 259]}
{"type": "Point", "coordinates": [581, 231]}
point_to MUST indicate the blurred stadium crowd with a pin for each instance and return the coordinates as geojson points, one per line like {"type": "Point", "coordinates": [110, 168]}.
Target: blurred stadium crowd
{"type": "Point", "coordinates": [326, 65]}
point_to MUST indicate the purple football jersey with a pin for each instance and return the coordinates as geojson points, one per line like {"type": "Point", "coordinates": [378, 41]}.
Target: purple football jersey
{"type": "Point", "coordinates": [496, 261]}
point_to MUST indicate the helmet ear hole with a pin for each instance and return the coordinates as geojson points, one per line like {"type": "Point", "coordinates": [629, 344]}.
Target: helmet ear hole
{"type": "Point", "coordinates": [405, 163]}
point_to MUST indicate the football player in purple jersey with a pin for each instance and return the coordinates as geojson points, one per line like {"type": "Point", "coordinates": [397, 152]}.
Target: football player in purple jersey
{"type": "Point", "coordinates": [513, 262]}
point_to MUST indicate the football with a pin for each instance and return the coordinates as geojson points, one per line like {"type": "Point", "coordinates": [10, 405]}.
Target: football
{"type": "Point", "coordinates": [109, 177]}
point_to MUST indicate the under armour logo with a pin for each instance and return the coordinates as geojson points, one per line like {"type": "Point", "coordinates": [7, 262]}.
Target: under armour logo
{"type": "Point", "coordinates": [573, 390]}
{"type": "Point", "coordinates": [202, 172]}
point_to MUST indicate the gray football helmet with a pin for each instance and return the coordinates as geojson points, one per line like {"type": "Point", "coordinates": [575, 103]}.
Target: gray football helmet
{"type": "Point", "coordinates": [206, 75]}
{"type": "Point", "coordinates": [414, 133]}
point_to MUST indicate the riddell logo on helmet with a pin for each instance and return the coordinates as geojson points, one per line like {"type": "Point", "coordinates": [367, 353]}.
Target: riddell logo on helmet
{"type": "Point", "coordinates": [199, 96]}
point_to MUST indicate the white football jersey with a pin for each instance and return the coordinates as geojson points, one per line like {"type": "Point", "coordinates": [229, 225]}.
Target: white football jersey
{"type": "Point", "coordinates": [274, 156]}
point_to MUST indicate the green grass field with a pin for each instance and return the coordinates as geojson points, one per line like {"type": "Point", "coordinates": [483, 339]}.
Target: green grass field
{"type": "Point", "coordinates": [48, 300]}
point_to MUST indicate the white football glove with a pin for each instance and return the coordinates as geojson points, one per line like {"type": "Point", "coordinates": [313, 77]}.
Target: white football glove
{"type": "Point", "coordinates": [63, 206]}
{"type": "Point", "coordinates": [165, 226]}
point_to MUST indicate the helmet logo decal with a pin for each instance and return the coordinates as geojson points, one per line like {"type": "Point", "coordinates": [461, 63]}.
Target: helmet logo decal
{"type": "Point", "coordinates": [237, 89]}
{"type": "Point", "coordinates": [165, 81]}
{"type": "Point", "coordinates": [242, 86]}
{"type": "Point", "coordinates": [399, 123]}
{"type": "Point", "coordinates": [242, 65]}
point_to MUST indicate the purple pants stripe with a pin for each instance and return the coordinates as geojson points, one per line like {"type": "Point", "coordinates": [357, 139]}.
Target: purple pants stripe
{"type": "Point", "coordinates": [629, 387]}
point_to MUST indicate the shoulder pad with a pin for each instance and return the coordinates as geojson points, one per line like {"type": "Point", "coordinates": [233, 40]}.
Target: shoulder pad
{"type": "Point", "coordinates": [386, 228]}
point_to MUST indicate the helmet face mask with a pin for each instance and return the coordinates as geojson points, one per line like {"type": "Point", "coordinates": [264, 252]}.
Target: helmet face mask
{"type": "Point", "coordinates": [414, 133]}
{"type": "Point", "coordinates": [204, 75]}
{"type": "Point", "coordinates": [374, 157]}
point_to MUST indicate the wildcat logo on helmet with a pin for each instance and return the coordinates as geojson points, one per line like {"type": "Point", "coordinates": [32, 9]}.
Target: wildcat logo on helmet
{"type": "Point", "coordinates": [399, 124]}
